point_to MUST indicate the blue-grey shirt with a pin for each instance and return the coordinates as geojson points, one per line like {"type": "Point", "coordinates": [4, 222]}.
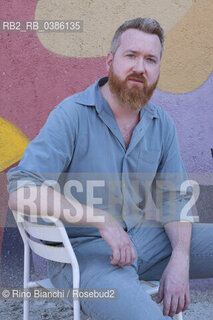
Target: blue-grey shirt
{"type": "Point", "coordinates": [82, 148]}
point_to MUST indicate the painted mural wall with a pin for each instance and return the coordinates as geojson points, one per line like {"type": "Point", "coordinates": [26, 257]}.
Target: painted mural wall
{"type": "Point", "coordinates": [38, 70]}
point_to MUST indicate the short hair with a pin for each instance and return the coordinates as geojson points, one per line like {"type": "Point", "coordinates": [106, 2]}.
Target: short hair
{"type": "Point", "coordinates": [147, 25]}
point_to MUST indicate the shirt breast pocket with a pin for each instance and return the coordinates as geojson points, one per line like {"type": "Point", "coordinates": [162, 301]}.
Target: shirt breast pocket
{"type": "Point", "coordinates": [148, 161]}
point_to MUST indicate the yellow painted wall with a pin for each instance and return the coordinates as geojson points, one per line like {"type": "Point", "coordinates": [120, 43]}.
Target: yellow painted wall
{"type": "Point", "coordinates": [12, 144]}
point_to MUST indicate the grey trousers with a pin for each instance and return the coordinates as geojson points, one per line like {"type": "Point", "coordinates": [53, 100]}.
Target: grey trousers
{"type": "Point", "coordinates": [153, 251]}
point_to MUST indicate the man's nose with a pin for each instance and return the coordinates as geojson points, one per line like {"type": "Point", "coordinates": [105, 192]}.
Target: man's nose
{"type": "Point", "coordinates": [139, 66]}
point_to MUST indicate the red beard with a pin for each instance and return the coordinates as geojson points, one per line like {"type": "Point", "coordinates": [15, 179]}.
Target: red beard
{"type": "Point", "coordinates": [134, 97]}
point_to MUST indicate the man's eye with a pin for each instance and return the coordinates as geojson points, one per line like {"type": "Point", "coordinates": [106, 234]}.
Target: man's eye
{"type": "Point", "coordinates": [130, 55]}
{"type": "Point", "coordinates": [151, 60]}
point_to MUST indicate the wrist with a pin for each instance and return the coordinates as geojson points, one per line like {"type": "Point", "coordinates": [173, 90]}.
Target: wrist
{"type": "Point", "coordinates": [180, 252]}
{"type": "Point", "coordinates": [107, 220]}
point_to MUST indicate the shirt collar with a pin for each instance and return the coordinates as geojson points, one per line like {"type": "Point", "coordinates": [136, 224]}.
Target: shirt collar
{"type": "Point", "coordinates": [92, 95]}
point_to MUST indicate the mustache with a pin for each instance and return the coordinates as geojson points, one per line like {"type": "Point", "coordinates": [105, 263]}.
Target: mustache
{"type": "Point", "coordinates": [136, 76]}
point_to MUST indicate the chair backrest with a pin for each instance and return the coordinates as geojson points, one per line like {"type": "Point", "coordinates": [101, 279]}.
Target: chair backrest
{"type": "Point", "coordinates": [35, 233]}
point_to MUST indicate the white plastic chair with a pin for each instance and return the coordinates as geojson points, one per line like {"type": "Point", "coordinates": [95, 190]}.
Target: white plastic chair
{"type": "Point", "coordinates": [29, 229]}
{"type": "Point", "coordinates": [151, 288]}
{"type": "Point", "coordinates": [65, 254]}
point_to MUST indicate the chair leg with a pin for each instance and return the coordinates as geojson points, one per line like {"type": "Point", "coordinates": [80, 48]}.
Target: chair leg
{"type": "Point", "coordinates": [76, 309]}
{"type": "Point", "coordinates": [76, 282]}
{"type": "Point", "coordinates": [26, 280]}
{"type": "Point", "coordinates": [179, 316]}
{"type": "Point", "coordinates": [26, 309]}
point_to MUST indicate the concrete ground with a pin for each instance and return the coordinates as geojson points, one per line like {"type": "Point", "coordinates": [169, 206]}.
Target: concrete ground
{"type": "Point", "coordinates": [201, 307]}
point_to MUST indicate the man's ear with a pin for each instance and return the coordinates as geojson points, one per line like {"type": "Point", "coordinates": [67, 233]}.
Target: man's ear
{"type": "Point", "coordinates": [109, 60]}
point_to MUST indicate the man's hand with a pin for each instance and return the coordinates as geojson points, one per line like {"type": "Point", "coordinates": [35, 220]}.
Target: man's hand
{"type": "Point", "coordinates": [123, 253]}
{"type": "Point", "coordinates": [174, 285]}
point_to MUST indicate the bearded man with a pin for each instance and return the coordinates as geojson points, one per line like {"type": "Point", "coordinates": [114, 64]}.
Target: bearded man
{"type": "Point", "coordinates": [110, 140]}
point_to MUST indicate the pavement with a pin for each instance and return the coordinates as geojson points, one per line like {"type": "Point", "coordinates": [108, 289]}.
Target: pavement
{"type": "Point", "coordinates": [201, 307]}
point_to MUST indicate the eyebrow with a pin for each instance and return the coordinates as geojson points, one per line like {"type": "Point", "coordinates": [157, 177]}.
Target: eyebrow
{"type": "Point", "coordinates": [129, 50]}
{"type": "Point", "coordinates": [153, 56]}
